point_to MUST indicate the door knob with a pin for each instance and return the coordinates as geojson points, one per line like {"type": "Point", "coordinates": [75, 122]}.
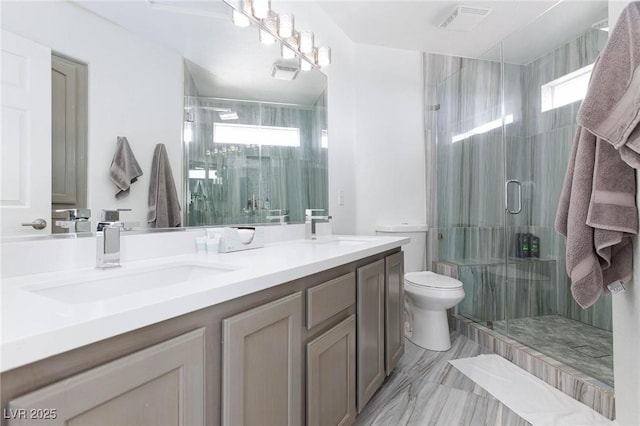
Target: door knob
{"type": "Point", "coordinates": [37, 224]}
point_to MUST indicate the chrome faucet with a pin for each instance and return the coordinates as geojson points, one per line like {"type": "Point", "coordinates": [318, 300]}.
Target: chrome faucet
{"type": "Point", "coordinates": [310, 221]}
{"type": "Point", "coordinates": [279, 215]}
{"type": "Point", "coordinates": [108, 246]}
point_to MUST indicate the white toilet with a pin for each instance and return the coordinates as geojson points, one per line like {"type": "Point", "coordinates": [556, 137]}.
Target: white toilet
{"type": "Point", "coordinates": [427, 295]}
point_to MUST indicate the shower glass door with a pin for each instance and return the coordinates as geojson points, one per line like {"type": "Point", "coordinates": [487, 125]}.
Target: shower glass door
{"type": "Point", "coordinates": [543, 88]}
{"type": "Point", "coordinates": [503, 126]}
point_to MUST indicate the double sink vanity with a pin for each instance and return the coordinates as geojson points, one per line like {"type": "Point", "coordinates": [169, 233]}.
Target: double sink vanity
{"type": "Point", "coordinates": [297, 332]}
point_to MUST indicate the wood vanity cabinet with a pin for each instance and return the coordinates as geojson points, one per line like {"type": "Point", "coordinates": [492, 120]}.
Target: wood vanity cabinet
{"type": "Point", "coordinates": [310, 351]}
{"type": "Point", "coordinates": [163, 384]}
{"type": "Point", "coordinates": [380, 323]}
{"type": "Point", "coordinates": [261, 364]}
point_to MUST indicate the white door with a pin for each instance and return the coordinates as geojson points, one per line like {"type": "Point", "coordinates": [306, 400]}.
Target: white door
{"type": "Point", "coordinates": [25, 157]}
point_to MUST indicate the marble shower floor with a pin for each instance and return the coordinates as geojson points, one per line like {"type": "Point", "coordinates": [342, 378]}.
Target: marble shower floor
{"type": "Point", "coordinates": [578, 345]}
{"type": "Point", "coordinates": [425, 389]}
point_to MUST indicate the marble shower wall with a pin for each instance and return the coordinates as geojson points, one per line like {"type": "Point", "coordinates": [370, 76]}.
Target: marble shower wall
{"type": "Point", "coordinates": [470, 174]}
{"type": "Point", "coordinates": [539, 155]}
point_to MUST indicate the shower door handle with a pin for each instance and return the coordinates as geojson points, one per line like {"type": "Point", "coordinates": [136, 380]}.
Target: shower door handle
{"type": "Point", "coordinates": [506, 196]}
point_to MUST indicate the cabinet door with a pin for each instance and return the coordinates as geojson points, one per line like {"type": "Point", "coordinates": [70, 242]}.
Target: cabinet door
{"type": "Point", "coordinates": [160, 385]}
{"type": "Point", "coordinates": [331, 376]}
{"type": "Point", "coordinates": [370, 320]}
{"type": "Point", "coordinates": [394, 310]}
{"type": "Point", "coordinates": [262, 365]}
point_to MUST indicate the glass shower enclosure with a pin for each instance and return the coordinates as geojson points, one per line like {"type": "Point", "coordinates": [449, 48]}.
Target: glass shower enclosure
{"type": "Point", "coordinates": [504, 128]}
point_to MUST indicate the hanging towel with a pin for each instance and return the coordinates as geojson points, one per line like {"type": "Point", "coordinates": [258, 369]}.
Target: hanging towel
{"type": "Point", "coordinates": [611, 108]}
{"type": "Point", "coordinates": [124, 169]}
{"type": "Point", "coordinates": [164, 206]}
{"type": "Point", "coordinates": [597, 210]}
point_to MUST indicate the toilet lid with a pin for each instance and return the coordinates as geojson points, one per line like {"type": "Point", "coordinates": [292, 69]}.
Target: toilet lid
{"type": "Point", "coordinates": [430, 279]}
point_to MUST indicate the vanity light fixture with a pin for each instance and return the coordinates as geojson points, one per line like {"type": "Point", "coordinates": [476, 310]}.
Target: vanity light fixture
{"type": "Point", "coordinates": [305, 65]}
{"type": "Point", "coordinates": [281, 27]}
{"type": "Point", "coordinates": [289, 52]}
{"type": "Point", "coordinates": [286, 52]}
{"type": "Point", "coordinates": [261, 9]}
{"type": "Point", "coordinates": [271, 25]}
{"type": "Point", "coordinates": [287, 27]}
{"type": "Point", "coordinates": [324, 56]}
{"type": "Point", "coordinates": [306, 41]}
{"type": "Point", "coordinates": [240, 19]}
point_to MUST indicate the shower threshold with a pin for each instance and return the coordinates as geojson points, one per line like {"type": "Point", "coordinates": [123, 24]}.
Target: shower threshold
{"type": "Point", "coordinates": [555, 369]}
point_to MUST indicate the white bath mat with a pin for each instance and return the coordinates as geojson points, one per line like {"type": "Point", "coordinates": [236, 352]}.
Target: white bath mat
{"type": "Point", "coordinates": [529, 397]}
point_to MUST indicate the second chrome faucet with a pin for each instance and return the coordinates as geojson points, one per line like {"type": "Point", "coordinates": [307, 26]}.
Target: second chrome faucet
{"type": "Point", "coordinates": [310, 221]}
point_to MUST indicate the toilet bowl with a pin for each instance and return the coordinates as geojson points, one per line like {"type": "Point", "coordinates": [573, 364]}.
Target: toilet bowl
{"type": "Point", "coordinates": [428, 296]}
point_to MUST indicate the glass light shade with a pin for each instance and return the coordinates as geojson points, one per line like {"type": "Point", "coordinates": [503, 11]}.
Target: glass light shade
{"type": "Point", "coordinates": [287, 53]}
{"type": "Point", "coordinates": [261, 8]}
{"type": "Point", "coordinates": [294, 41]}
{"type": "Point", "coordinates": [306, 41]}
{"type": "Point", "coordinates": [271, 23]}
{"type": "Point", "coordinates": [247, 7]}
{"type": "Point", "coordinates": [266, 38]}
{"type": "Point", "coordinates": [286, 25]}
{"type": "Point", "coordinates": [305, 65]}
{"type": "Point", "coordinates": [324, 56]}
{"type": "Point", "coordinates": [239, 19]}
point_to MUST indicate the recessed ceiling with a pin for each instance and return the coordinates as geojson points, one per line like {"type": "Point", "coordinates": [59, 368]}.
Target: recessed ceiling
{"type": "Point", "coordinates": [413, 25]}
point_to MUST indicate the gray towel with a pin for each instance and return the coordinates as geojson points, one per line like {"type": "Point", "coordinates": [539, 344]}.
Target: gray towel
{"type": "Point", "coordinates": [124, 169]}
{"type": "Point", "coordinates": [611, 108]}
{"type": "Point", "coordinates": [164, 206]}
{"type": "Point", "coordinates": [597, 211]}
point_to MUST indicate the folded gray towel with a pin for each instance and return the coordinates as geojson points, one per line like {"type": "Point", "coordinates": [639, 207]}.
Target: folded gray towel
{"type": "Point", "coordinates": [597, 210]}
{"type": "Point", "coordinates": [611, 108]}
{"type": "Point", "coordinates": [124, 169]}
{"type": "Point", "coordinates": [164, 205]}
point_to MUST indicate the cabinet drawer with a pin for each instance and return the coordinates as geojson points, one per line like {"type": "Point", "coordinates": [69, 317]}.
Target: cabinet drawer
{"type": "Point", "coordinates": [327, 299]}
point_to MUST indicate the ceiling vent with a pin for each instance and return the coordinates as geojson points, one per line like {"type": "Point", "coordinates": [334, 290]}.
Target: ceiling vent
{"type": "Point", "coordinates": [464, 18]}
{"type": "Point", "coordinates": [284, 72]}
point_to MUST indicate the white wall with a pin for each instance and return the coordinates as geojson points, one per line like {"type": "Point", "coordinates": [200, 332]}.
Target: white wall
{"type": "Point", "coordinates": [341, 108]}
{"type": "Point", "coordinates": [389, 153]}
{"type": "Point", "coordinates": [376, 144]}
{"type": "Point", "coordinates": [135, 90]}
{"type": "Point", "coordinates": [626, 322]}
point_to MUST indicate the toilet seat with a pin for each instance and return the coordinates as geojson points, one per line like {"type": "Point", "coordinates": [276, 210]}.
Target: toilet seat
{"type": "Point", "coordinates": [432, 280]}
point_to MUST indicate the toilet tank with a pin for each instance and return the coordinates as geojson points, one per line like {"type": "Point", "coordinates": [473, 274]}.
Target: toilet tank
{"type": "Point", "coordinates": [415, 253]}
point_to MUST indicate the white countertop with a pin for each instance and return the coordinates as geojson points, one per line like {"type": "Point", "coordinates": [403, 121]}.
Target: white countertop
{"type": "Point", "coordinates": [35, 326]}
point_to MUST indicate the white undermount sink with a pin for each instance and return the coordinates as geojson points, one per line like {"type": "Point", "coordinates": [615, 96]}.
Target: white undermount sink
{"type": "Point", "coordinates": [109, 283]}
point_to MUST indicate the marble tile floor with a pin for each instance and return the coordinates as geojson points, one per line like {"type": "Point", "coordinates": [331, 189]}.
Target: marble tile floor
{"type": "Point", "coordinates": [586, 348]}
{"type": "Point", "coordinates": [425, 389]}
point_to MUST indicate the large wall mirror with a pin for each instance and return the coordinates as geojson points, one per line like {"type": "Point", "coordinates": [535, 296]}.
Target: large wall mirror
{"type": "Point", "coordinates": [179, 73]}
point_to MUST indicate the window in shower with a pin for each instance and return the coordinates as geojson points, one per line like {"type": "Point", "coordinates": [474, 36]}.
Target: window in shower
{"type": "Point", "coordinates": [246, 134]}
{"type": "Point", "coordinates": [567, 89]}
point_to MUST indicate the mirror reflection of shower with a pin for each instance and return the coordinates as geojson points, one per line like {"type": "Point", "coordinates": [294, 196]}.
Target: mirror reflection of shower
{"type": "Point", "coordinates": [254, 162]}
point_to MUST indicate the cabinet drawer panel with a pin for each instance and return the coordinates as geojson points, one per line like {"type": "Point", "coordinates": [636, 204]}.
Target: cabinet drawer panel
{"type": "Point", "coordinates": [327, 299]}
